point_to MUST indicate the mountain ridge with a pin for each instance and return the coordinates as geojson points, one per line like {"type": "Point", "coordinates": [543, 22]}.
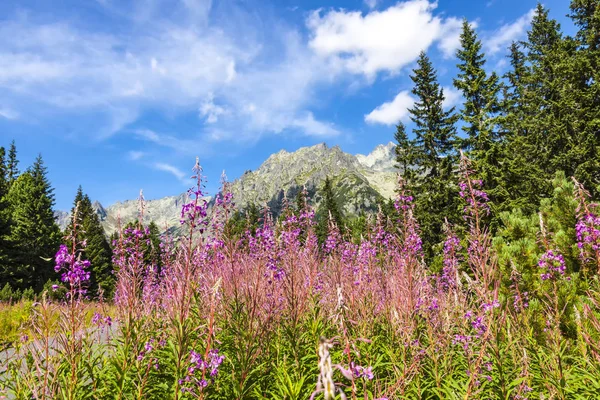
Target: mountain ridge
{"type": "Point", "coordinates": [360, 181]}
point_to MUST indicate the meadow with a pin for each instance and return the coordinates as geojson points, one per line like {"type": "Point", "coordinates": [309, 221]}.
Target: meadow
{"type": "Point", "coordinates": [271, 314]}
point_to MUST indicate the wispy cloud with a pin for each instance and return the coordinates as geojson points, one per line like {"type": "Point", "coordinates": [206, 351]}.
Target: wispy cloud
{"type": "Point", "coordinates": [8, 113]}
{"type": "Point", "coordinates": [371, 3]}
{"type": "Point", "coordinates": [176, 172]}
{"type": "Point", "coordinates": [500, 39]}
{"type": "Point", "coordinates": [181, 63]}
{"type": "Point", "coordinates": [135, 155]}
{"type": "Point", "coordinates": [210, 110]}
{"type": "Point", "coordinates": [230, 70]}
{"type": "Point", "coordinates": [188, 145]}
{"type": "Point", "coordinates": [312, 127]}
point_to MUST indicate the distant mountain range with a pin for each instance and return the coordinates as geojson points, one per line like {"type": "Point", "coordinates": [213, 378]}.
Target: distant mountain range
{"type": "Point", "coordinates": [359, 181]}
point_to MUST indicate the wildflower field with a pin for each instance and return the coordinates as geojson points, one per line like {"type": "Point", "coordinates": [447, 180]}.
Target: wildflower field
{"type": "Point", "coordinates": [271, 314]}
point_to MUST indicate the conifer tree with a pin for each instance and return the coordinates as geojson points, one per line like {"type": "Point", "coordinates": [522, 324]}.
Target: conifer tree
{"type": "Point", "coordinates": [154, 253]}
{"type": "Point", "coordinates": [97, 250]}
{"type": "Point", "coordinates": [301, 200]}
{"type": "Point", "coordinates": [480, 92]}
{"type": "Point", "coordinates": [513, 90]}
{"type": "Point", "coordinates": [404, 150]}
{"type": "Point", "coordinates": [4, 221]}
{"type": "Point", "coordinates": [328, 210]}
{"type": "Point", "coordinates": [480, 112]}
{"type": "Point", "coordinates": [544, 124]}
{"type": "Point", "coordinates": [520, 172]}
{"type": "Point", "coordinates": [435, 189]}
{"type": "Point", "coordinates": [581, 96]}
{"type": "Point", "coordinates": [12, 170]}
{"type": "Point", "coordinates": [34, 233]}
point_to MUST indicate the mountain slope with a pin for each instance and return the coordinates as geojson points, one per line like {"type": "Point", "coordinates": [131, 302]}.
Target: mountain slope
{"type": "Point", "coordinates": [359, 182]}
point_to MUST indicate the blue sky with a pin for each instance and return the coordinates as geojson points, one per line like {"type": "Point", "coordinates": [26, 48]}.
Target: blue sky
{"type": "Point", "coordinates": [120, 95]}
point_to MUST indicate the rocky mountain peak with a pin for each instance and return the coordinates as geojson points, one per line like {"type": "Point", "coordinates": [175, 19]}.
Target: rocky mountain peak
{"type": "Point", "coordinates": [359, 182]}
{"type": "Point", "coordinates": [382, 158]}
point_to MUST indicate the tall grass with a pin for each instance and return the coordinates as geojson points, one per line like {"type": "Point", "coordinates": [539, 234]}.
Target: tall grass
{"type": "Point", "coordinates": [273, 315]}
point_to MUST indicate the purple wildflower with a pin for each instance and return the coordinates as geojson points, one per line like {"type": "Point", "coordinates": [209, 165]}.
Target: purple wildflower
{"type": "Point", "coordinates": [553, 263]}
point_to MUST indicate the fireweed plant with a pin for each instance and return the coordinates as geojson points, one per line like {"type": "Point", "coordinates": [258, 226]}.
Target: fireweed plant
{"type": "Point", "coordinates": [272, 314]}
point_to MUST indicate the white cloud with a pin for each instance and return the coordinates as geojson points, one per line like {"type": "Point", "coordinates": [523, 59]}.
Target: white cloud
{"type": "Point", "coordinates": [190, 145]}
{"type": "Point", "coordinates": [211, 111]}
{"type": "Point", "coordinates": [450, 37]}
{"type": "Point", "coordinates": [507, 33]}
{"type": "Point", "coordinates": [371, 3]}
{"type": "Point", "coordinates": [392, 112]}
{"type": "Point", "coordinates": [231, 73]}
{"type": "Point", "coordinates": [311, 127]}
{"type": "Point", "coordinates": [452, 97]}
{"type": "Point", "coordinates": [148, 135]}
{"type": "Point", "coordinates": [168, 64]}
{"type": "Point", "coordinates": [384, 40]}
{"type": "Point", "coordinates": [135, 155]}
{"type": "Point", "coordinates": [8, 113]}
{"type": "Point", "coordinates": [176, 172]}
{"type": "Point", "coordinates": [233, 69]}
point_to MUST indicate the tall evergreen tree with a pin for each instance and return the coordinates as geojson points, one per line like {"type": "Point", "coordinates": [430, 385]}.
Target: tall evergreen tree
{"type": "Point", "coordinates": [544, 125]}
{"type": "Point", "coordinates": [480, 92]}
{"type": "Point", "coordinates": [12, 164]}
{"type": "Point", "coordinates": [34, 233]}
{"type": "Point", "coordinates": [586, 16]}
{"type": "Point", "coordinates": [4, 222]}
{"type": "Point", "coordinates": [581, 93]}
{"type": "Point", "coordinates": [513, 91]}
{"type": "Point", "coordinates": [405, 157]}
{"type": "Point", "coordinates": [154, 253]}
{"type": "Point", "coordinates": [520, 172]}
{"type": "Point", "coordinates": [328, 210]}
{"type": "Point", "coordinates": [435, 189]}
{"type": "Point", "coordinates": [480, 113]}
{"type": "Point", "coordinates": [97, 250]}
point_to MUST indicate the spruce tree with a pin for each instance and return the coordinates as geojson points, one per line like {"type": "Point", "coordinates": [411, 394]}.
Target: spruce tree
{"type": "Point", "coordinates": [154, 254]}
{"type": "Point", "coordinates": [301, 200]}
{"type": "Point", "coordinates": [523, 181]}
{"type": "Point", "coordinates": [435, 189]}
{"type": "Point", "coordinates": [514, 90]}
{"type": "Point", "coordinates": [586, 16]}
{"type": "Point", "coordinates": [483, 141]}
{"type": "Point", "coordinates": [544, 124]}
{"type": "Point", "coordinates": [34, 233]}
{"type": "Point", "coordinates": [12, 170]}
{"type": "Point", "coordinates": [97, 250]}
{"type": "Point", "coordinates": [581, 96]}
{"type": "Point", "coordinates": [4, 222]}
{"type": "Point", "coordinates": [405, 157]}
{"type": "Point", "coordinates": [328, 210]}
{"type": "Point", "coordinates": [480, 91]}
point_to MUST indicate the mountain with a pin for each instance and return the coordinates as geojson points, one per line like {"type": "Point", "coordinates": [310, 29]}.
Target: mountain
{"type": "Point", "coordinates": [360, 181]}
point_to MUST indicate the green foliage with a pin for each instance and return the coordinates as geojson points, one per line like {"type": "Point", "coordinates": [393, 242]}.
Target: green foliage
{"type": "Point", "coordinates": [12, 170]}
{"type": "Point", "coordinates": [7, 294]}
{"type": "Point", "coordinates": [34, 233]}
{"type": "Point", "coordinates": [5, 251]}
{"type": "Point", "coordinates": [13, 318]}
{"type": "Point", "coordinates": [433, 155]}
{"type": "Point", "coordinates": [329, 211]}
{"type": "Point", "coordinates": [97, 249]}
{"type": "Point", "coordinates": [483, 143]}
{"type": "Point", "coordinates": [243, 221]}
